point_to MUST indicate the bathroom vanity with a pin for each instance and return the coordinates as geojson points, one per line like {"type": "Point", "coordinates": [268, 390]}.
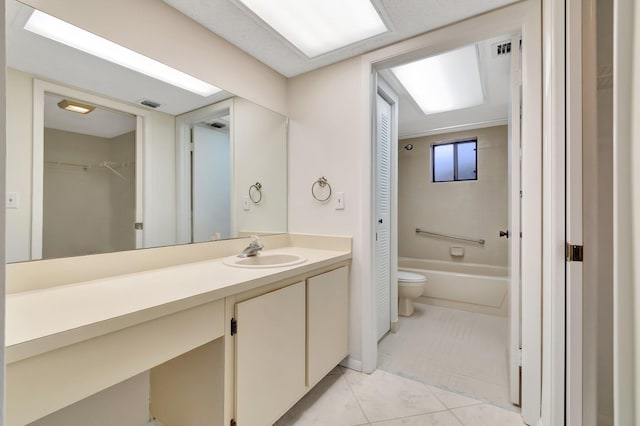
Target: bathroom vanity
{"type": "Point", "coordinates": [222, 342]}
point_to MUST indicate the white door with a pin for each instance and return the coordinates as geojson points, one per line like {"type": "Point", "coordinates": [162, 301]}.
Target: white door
{"type": "Point", "coordinates": [383, 217]}
{"type": "Point", "coordinates": [211, 185]}
{"type": "Point", "coordinates": [513, 203]}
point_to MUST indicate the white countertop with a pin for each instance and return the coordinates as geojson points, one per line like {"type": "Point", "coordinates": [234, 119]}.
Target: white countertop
{"type": "Point", "coordinates": [41, 320]}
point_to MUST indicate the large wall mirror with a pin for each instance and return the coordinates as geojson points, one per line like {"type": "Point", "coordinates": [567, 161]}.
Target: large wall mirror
{"type": "Point", "coordinates": [150, 164]}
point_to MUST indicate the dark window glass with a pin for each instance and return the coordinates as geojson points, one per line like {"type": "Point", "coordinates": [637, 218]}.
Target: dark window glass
{"type": "Point", "coordinates": [455, 161]}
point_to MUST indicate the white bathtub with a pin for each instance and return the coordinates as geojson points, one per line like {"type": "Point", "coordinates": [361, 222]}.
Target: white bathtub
{"type": "Point", "coordinates": [472, 287]}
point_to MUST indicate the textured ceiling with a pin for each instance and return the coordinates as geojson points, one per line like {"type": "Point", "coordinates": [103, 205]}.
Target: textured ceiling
{"type": "Point", "coordinates": [404, 18]}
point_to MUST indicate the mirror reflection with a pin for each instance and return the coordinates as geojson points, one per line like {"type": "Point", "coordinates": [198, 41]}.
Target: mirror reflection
{"type": "Point", "coordinates": [150, 165]}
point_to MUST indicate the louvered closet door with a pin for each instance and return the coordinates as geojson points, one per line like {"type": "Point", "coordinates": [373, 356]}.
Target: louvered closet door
{"type": "Point", "coordinates": [383, 216]}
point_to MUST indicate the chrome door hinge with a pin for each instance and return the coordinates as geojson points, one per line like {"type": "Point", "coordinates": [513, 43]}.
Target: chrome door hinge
{"type": "Point", "coordinates": [574, 253]}
{"type": "Point", "coordinates": [138, 226]}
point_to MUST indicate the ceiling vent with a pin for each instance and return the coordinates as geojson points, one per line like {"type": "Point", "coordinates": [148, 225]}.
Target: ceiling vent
{"type": "Point", "coordinates": [148, 103]}
{"type": "Point", "coordinates": [501, 49]}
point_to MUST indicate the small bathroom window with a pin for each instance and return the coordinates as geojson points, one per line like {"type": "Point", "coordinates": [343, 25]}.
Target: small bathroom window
{"type": "Point", "coordinates": [455, 161]}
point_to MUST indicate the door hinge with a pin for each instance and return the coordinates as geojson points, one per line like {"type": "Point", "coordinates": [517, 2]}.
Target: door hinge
{"type": "Point", "coordinates": [138, 226]}
{"type": "Point", "coordinates": [234, 326]}
{"type": "Point", "coordinates": [232, 422]}
{"type": "Point", "coordinates": [520, 357]}
{"type": "Point", "coordinates": [574, 253]}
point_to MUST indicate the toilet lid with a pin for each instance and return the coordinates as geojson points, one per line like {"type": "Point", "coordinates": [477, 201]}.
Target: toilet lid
{"type": "Point", "coordinates": [410, 277]}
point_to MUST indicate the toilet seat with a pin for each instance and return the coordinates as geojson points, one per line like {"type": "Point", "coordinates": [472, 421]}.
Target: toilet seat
{"type": "Point", "coordinates": [411, 277]}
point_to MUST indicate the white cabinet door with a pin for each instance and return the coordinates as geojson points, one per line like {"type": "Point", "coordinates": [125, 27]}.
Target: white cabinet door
{"type": "Point", "coordinates": [327, 322]}
{"type": "Point", "coordinates": [270, 355]}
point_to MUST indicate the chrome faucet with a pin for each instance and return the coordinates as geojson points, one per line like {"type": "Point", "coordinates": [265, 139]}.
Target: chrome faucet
{"type": "Point", "coordinates": [253, 248]}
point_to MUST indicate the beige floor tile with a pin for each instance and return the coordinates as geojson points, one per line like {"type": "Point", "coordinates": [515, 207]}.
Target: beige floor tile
{"type": "Point", "coordinates": [329, 403]}
{"type": "Point", "coordinates": [444, 418]}
{"type": "Point", "coordinates": [453, 400]}
{"type": "Point", "coordinates": [456, 349]}
{"type": "Point", "coordinates": [487, 415]}
{"type": "Point", "coordinates": [384, 396]}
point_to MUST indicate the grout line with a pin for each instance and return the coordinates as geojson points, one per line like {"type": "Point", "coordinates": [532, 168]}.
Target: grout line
{"type": "Point", "coordinates": [457, 418]}
{"type": "Point", "coordinates": [356, 397]}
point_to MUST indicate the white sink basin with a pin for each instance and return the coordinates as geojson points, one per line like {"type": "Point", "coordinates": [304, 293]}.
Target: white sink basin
{"type": "Point", "coordinates": [266, 260]}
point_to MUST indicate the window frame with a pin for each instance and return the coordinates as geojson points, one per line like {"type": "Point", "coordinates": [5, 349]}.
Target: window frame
{"type": "Point", "coordinates": [455, 143]}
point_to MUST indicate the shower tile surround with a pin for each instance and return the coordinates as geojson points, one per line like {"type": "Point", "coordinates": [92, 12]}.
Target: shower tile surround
{"type": "Point", "coordinates": [473, 209]}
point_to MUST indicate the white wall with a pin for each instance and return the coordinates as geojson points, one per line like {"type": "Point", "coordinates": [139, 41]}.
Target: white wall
{"type": "Point", "coordinates": [259, 155]}
{"type": "Point", "coordinates": [18, 167]}
{"type": "Point", "coordinates": [185, 44]}
{"type": "Point", "coordinates": [126, 404]}
{"type": "Point", "coordinates": [123, 192]}
{"type": "Point", "coordinates": [327, 135]}
{"type": "Point", "coordinates": [471, 209]}
{"type": "Point", "coordinates": [77, 202]}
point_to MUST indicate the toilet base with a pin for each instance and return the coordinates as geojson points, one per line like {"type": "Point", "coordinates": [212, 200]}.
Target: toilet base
{"type": "Point", "coordinates": [405, 307]}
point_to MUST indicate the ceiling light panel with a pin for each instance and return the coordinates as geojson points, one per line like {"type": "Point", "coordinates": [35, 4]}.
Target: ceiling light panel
{"type": "Point", "coordinates": [319, 26]}
{"type": "Point", "coordinates": [445, 82]}
{"type": "Point", "coordinates": [55, 29]}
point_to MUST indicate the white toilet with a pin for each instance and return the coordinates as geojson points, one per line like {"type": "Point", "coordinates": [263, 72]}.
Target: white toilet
{"type": "Point", "coordinates": [410, 287]}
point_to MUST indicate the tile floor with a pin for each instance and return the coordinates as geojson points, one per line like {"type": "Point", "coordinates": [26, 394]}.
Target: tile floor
{"type": "Point", "coordinates": [452, 349]}
{"type": "Point", "coordinates": [346, 397]}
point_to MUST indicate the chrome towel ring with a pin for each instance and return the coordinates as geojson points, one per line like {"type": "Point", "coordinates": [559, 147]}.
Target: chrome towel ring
{"type": "Point", "coordinates": [321, 183]}
{"type": "Point", "coordinates": [255, 193]}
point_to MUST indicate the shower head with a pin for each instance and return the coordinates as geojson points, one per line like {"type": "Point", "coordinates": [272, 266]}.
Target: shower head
{"type": "Point", "coordinates": [407, 147]}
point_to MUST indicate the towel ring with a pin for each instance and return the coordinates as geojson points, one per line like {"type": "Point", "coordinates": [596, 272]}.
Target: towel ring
{"type": "Point", "coordinates": [321, 182]}
{"type": "Point", "coordinates": [256, 187]}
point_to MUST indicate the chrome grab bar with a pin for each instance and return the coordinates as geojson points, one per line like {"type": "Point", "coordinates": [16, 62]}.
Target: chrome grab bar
{"type": "Point", "coordinates": [421, 231]}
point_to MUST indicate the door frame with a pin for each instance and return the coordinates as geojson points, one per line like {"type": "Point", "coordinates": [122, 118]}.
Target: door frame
{"type": "Point", "coordinates": [143, 168]}
{"type": "Point", "coordinates": [184, 123]}
{"type": "Point", "coordinates": [514, 214]}
{"type": "Point", "coordinates": [524, 17]}
{"type": "Point", "coordinates": [388, 94]}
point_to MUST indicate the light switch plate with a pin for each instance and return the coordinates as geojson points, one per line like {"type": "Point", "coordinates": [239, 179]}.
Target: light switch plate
{"type": "Point", "coordinates": [12, 200]}
{"type": "Point", "coordinates": [245, 203]}
{"type": "Point", "coordinates": [339, 200]}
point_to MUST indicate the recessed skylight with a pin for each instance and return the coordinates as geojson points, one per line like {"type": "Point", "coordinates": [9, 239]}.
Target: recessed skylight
{"type": "Point", "coordinates": [445, 82]}
{"type": "Point", "coordinates": [55, 29]}
{"type": "Point", "coordinates": [319, 26]}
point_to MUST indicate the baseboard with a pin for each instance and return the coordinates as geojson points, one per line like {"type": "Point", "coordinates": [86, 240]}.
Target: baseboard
{"type": "Point", "coordinates": [352, 363]}
{"type": "Point", "coordinates": [462, 306]}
